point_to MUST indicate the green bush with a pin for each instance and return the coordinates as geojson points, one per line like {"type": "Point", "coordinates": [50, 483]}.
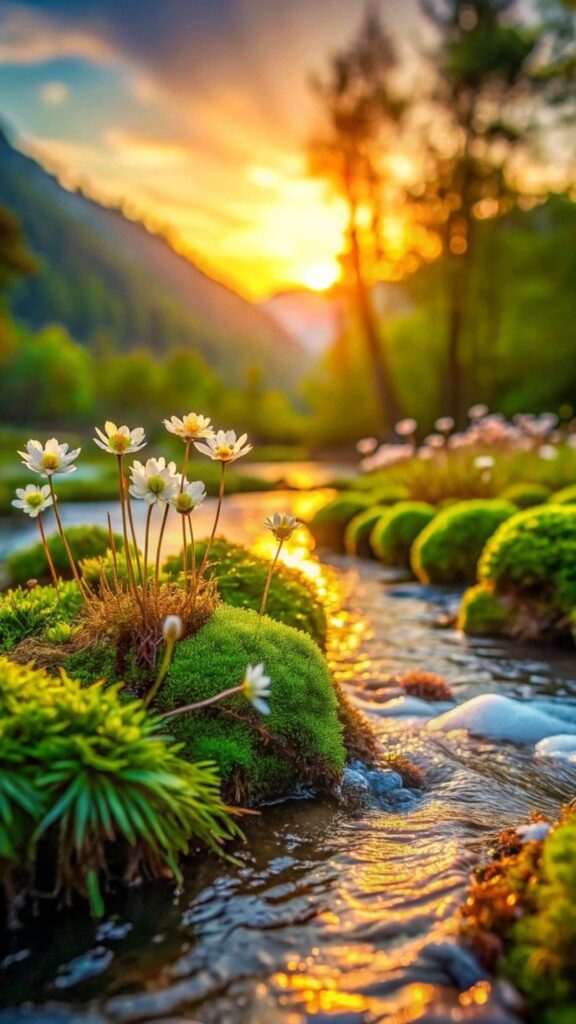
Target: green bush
{"type": "Point", "coordinates": [526, 495]}
{"type": "Point", "coordinates": [241, 578]}
{"type": "Point", "coordinates": [483, 612]}
{"type": "Point", "coordinates": [358, 530]}
{"type": "Point", "coordinates": [448, 549]}
{"type": "Point", "coordinates": [567, 496]}
{"type": "Point", "coordinates": [328, 525]}
{"type": "Point", "coordinates": [89, 788]}
{"type": "Point", "coordinates": [299, 742]}
{"type": "Point", "coordinates": [25, 613]}
{"type": "Point", "coordinates": [84, 541]}
{"type": "Point", "coordinates": [395, 532]}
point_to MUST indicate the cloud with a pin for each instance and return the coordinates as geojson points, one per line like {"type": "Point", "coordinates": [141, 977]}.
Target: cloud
{"type": "Point", "coordinates": [54, 93]}
{"type": "Point", "coordinates": [28, 37]}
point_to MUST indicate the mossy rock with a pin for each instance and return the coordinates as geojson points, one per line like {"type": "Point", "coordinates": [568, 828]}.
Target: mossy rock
{"type": "Point", "coordinates": [483, 612]}
{"type": "Point", "coordinates": [448, 549]}
{"type": "Point", "coordinates": [84, 541]}
{"type": "Point", "coordinates": [357, 533]}
{"type": "Point", "coordinates": [29, 613]}
{"type": "Point", "coordinates": [260, 758]}
{"type": "Point", "coordinates": [531, 560]}
{"type": "Point", "coordinates": [526, 495]}
{"type": "Point", "coordinates": [329, 523]}
{"type": "Point", "coordinates": [383, 491]}
{"type": "Point", "coordinates": [241, 577]}
{"type": "Point", "coordinates": [567, 496]}
{"type": "Point", "coordinates": [395, 532]}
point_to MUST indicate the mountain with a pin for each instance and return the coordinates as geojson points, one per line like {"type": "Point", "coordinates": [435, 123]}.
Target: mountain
{"type": "Point", "coordinates": [102, 274]}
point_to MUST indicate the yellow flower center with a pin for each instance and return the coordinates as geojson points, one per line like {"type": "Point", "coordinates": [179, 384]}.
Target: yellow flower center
{"type": "Point", "coordinates": [191, 427]}
{"type": "Point", "coordinates": [34, 500]}
{"type": "Point", "coordinates": [224, 452]}
{"type": "Point", "coordinates": [183, 503]}
{"type": "Point", "coordinates": [156, 484]}
{"type": "Point", "coordinates": [119, 443]}
{"type": "Point", "coordinates": [50, 461]}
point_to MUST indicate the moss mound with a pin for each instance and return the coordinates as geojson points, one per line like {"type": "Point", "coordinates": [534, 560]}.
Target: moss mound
{"type": "Point", "coordinates": [301, 741]}
{"type": "Point", "coordinates": [328, 525]}
{"type": "Point", "coordinates": [526, 495]}
{"type": "Point", "coordinates": [530, 566]}
{"type": "Point", "coordinates": [241, 578]}
{"type": "Point", "coordinates": [448, 549]}
{"type": "Point", "coordinates": [30, 613]}
{"type": "Point", "coordinates": [357, 533]}
{"type": "Point", "coordinates": [395, 532]}
{"type": "Point", "coordinates": [483, 612]}
{"type": "Point", "coordinates": [84, 541]}
{"type": "Point", "coordinates": [567, 496]}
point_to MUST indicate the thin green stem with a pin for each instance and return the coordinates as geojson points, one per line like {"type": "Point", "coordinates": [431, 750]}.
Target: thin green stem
{"type": "Point", "coordinates": [216, 517]}
{"type": "Point", "coordinates": [159, 548]}
{"type": "Point", "coordinates": [168, 652]}
{"type": "Point", "coordinates": [201, 703]}
{"type": "Point", "coordinates": [269, 579]}
{"type": "Point", "coordinates": [48, 556]}
{"type": "Point", "coordinates": [184, 551]}
{"type": "Point", "coordinates": [114, 555]}
{"type": "Point", "coordinates": [185, 465]}
{"type": "Point", "coordinates": [134, 539]}
{"type": "Point", "coordinates": [69, 555]}
{"type": "Point", "coordinates": [147, 545]}
{"type": "Point", "coordinates": [193, 546]}
{"type": "Point", "coordinates": [129, 565]}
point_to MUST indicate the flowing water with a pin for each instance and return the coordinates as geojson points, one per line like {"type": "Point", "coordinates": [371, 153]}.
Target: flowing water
{"type": "Point", "coordinates": [341, 911]}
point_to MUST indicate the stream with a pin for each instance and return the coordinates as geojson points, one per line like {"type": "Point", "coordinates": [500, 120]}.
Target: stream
{"type": "Point", "coordinates": [341, 911]}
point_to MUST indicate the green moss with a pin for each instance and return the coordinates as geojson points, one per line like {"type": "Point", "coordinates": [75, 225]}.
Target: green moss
{"type": "Point", "coordinates": [241, 577]}
{"type": "Point", "coordinates": [395, 532]}
{"type": "Point", "coordinates": [328, 525]}
{"type": "Point", "coordinates": [526, 495]}
{"type": "Point", "coordinates": [84, 541]}
{"type": "Point", "coordinates": [358, 530]}
{"type": "Point", "coordinates": [532, 558]}
{"type": "Point", "coordinates": [259, 758]}
{"type": "Point", "coordinates": [567, 496]}
{"type": "Point", "coordinates": [26, 613]}
{"type": "Point", "coordinates": [448, 549]}
{"type": "Point", "coordinates": [483, 612]}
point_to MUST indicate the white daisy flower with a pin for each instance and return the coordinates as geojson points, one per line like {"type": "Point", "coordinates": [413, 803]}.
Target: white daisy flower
{"type": "Point", "coordinates": [282, 525]}
{"type": "Point", "coordinates": [256, 687]}
{"type": "Point", "coordinates": [155, 482]}
{"type": "Point", "coordinates": [483, 462]}
{"type": "Point", "coordinates": [120, 440]}
{"type": "Point", "coordinates": [190, 427]}
{"type": "Point", "coordinates": [224, 446]}
{"type": "Point", "coordinates": [191, 496]}
{"type": "Point", "coordinates": [50, 459]}
{"type": "Point", "coordinates": [33, 500]}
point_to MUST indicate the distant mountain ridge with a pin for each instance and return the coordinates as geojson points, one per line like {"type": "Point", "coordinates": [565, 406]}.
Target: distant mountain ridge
{"type": "Point", "coordinates": [102, 274]}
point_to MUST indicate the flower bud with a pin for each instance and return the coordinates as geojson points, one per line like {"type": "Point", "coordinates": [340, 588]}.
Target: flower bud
{"type": "Point", "coordinates": [172, 628]}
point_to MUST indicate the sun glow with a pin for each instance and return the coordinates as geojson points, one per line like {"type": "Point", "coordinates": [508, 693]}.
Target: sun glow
{"type": "Point", "coordinates": [321, 276]}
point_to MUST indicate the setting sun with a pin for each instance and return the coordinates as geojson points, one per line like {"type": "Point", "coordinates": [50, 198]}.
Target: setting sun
{"type": "Point", "coordinates": [321, 276]}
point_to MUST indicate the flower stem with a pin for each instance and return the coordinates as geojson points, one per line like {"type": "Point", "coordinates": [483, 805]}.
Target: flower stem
{"type": "Point", "coordinates": [134, 539]}
{"type": "Point", "coordinates": [185, 466]}
{"type": "Point", "coordinates": [129, 565]}
{"type": "Point", "coordinates": [146, 545]}
{"type": "Point", "coordinates": [114, 555]}
{"type": "Point", "coordinates": [69, 555]}
{"type": "Point", "coordinates": [193, 547]}
{"type": "Point", "coordinates": [159, 548]}
{"type": "Point", "coordinates": [216, 517]}
{"type": "Point", "coordinates": [168, 652]}
{"type": "Point", "coordinates": [184, 552]}
{"type": "Point", "coordinates": [48, 556]}
{"type": "Point", "coordinates": [201, 703]}
{"type": "Point", "coordinates": [269, 579]}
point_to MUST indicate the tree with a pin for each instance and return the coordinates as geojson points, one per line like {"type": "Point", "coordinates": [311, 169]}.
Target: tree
{"type": "Point", "coordinates": [14, 260]}
{"type": "Point", "coordinates": [362, 115]}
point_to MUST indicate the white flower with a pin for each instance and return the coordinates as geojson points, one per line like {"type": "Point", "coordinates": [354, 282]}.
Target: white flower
{"type": "Point", "coordinates": [172, 628]}
{"type": "Point", "coordinates": [282, 525]}
{"type": "Point", "coordinates": [50, 459]}
{"type": "Point", "coordinates": [190, 427]}
{"type": "Point", "coordinates": [435, 440]}
{"type": "Point", "coordinates": [535, 832]}
{"type": "Point", "coordinates": [191, 496]}
{"type": "Point", "coordinates": [120, 440]}
{"type": "Point", "coordinates": [224, 446]}
{"type": "Point", "coordinates": [33, 500]}
{"type": "Point", "coordinates": [476, 412]}
{"type": "Point", "coordinates": [548, 452]}
{"type": "Point", "coordinates": [256, 687]}
{"type": "Point", "coordinates": [366, 445]}
{"type": "Point", "coordinates": [155, 482]}
{"type": "Point", "coordinates": [483, 462]}
{"type": "Point", "coordinates": [405, 428]}
{"type": "Point", "coordinates": [445, 424]}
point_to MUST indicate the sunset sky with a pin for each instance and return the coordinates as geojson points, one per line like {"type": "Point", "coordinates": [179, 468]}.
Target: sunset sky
{"type": "Point", "coordinates": [195, 114]}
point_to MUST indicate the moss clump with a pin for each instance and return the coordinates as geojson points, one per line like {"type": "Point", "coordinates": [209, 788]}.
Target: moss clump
{"type": "Point", "coordinates": [84, 541]}
{"type": "Point", "coordinates": [448, 549]}
{"type": "Point", "coordinates": [395, 532]}
{"type": "Point", "coordinates": [526, 495]}
{"type": "Point", "coordinates": [530, 563]}
{"type": "Point", "coordinates": [90, 790]}
{"type": "Point", "coordinates": [567, 496]}
{"type": "Point", "coordinates": [358, 530]}
{"type": "Point", "coordinates": [29, 613]}
{"type": "Point", "coordinates": [520, 915]}
{"type": "Point", "coordinates": [241, 578]}
{"type": "Point", "coordinates": [328, 525]}
{"type": "Point", "coordinates": [483, 612]}
{"type": "Point", "coordinates": [259, 758]}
